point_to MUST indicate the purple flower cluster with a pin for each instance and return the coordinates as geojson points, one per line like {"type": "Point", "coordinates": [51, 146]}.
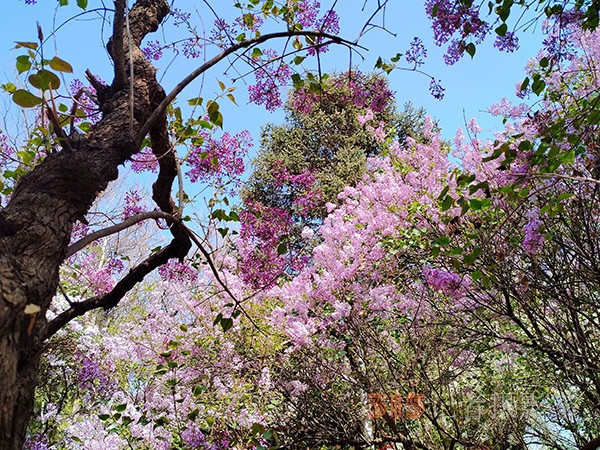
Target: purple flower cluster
{"type": "Point", "coordinates": [533, 240]}
{"type": "Point", "coordinates": [37, 441]}
{"type": "Point", "coordinates": [219, 159]}
{"type": "Point", "coordinates": [352, 88]}
{"type": "Point", "coordinates": [270, 76]}
{"type": "Point", "coordinates": [180, 17]}
{"type": "Point", "coordinates": [305, 195]}
{"type": "Point", "coordinates": [262, 228]}
{"type": "Point", "coordinates": [507, 43]}
{"type": "Point", "coordinates": [132, 204]}
{"type": "Point", "coordinates": [441, 280]}
{"type": "Point", "coordinates": [144, 161]}
{"type": "Point", "coordinates": [177, 272]}
{"type": "Point", "coordinates": [92, 378]}
{"type": "Point", "coordinates": [84, 101]}
{"type": "Point", "coordinates": [452, 18]}
{"type": "Point", "coordinates": [330, 24]}
{"type": "Point", "coordinates": [436, 89]}
{"type": "Point", "coordinates": [192, 48]}
{"type": "Point", "coordinates": [153, 50]}
{"type": "Point", "coordinates": [417, 53]}
{"type": "Point", "coordinates": [306, 15]}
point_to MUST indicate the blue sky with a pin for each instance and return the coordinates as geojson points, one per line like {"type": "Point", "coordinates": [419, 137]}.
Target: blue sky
{"type": "Point", "coordinates": [471, 85]}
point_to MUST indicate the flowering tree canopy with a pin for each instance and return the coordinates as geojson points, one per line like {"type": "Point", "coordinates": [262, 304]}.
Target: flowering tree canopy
{"type": "Point", "coordinates": [436, 295]}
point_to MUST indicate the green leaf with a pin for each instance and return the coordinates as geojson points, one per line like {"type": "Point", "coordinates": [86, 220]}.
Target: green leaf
{"type": "Point", "coordinates": [281, 248]}
{"type": "Point", "coordinates": [82, 3]}
{"type": "Point", "coordinates": [502, 29]}
{"type": "Point", "coordinates": [471, 257]}
{"type": "Point", "coordinates": [23, 63]}
{"type": "Point", "coordinates": [226, 323]}
{"type": "Point", "coordinates": [120, 408]}
{"type": "Point", "coordinates": [544, 62]}
{"type": "Point", "coordinates": [447, 203]}
{"type": "Point", "coordinates": [197, 101]}
{"type": "Point", "coordinates": [256, 53]}
{"type": "Point", "coordinates": [524, 84]}
{"type": "Point", "coordinates": [60, 65]}
{"type": "Point", "coordinates": [217, 118]}
{"type": "Point", "coordinates": [538, 86]}
{"type": "Point", "coordinates": [9, 87]}
{"type": "Point", "coordinates": [396, 58]}
{"type": "Point", "coordinates": [44, 80]}
{"type": "Point", "coordinates": [470, 49]}
{"type": "Point", "coordinates": [63, 2]}
{"type": "Point", "coordinates": [568, 158]}
{"type": "Point", "coordinates": [25, 99]}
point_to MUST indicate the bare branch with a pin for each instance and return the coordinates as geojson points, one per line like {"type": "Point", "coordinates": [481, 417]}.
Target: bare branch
{"type": "Point", "coordinates": [86, 240]}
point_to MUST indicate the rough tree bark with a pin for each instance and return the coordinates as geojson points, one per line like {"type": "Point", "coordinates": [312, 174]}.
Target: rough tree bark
{"type": "Point", "coordinates": [35, 227]}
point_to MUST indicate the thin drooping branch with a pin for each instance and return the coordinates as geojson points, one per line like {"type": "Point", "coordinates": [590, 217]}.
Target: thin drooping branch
{"type": "Point", "coordinates": [126, 284]}
{"type": "Point", "coordinates": [162, 107]}
{"type": "Point", "coordinates": [86, 240]}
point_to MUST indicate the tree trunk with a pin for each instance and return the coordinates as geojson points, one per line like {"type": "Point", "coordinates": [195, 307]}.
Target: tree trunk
{"type": "Point", "coordinates": [35, 227]}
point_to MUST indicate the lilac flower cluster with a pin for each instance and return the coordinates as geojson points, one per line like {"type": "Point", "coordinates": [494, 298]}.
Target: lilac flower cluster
{"type": "Point", "coordinates": [330, 24]}
{"type": "Point", "coordinates": [507, 43]}
{"type": "Point", "coordinates": [453, 17]}
{"type": "Point", "coordinates": [178, 272]}
{"type": "Point", "coordinates": [417, 53]}
{"type": "Point", "coordinates": [100, 280]}
{"type": "Point", "coordinates": [441, 280]}
{"type": "Point", "coordinates": [153, 51]}
{"type": "Point", "coordinates": [352, 88]}
{"type": "Point", "coordinates": [180, 17]}
{"type": "Point", "coordinates": [270, 76]}
{"type": "Point", "coordinates": [37, 441]}
{"type": "Point", "coordinates": [132, 204]}
{"type": "Point", "coordinates": [194, 438]}
{"type": "Point", "coordinates": [192, 48]}
{"type": "Point", "coordinates": [436, 89]}
{"type": "Point", "coordinates": [305, 195]}
{"type": "Point", "coordinates": [92, 378]}
{"type": "Point", "coordinates": [533, 239]}
{"type": "Point", "coordinates": [222, 34]}
{"type": "Point", "coordinates": [85, 102]}
{"type": "Point", "coordinates": [219, 159]}
{"type": "Point", "coordinates": [144, 161]}
{"type": "Point", "coordinates": [261, 230]}
{"type": "Point", "coordinates": [306, 15]}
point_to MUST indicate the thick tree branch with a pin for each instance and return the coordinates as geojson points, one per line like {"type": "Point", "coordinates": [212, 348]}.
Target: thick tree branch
{"type": "Point", "coordinates": [86, 240]}
{"type": "Point", "coordinates": [116, 47]}
{"type": "Point", "coordinates": [594, 444]}
{"type": "Point", "coordinates": [175, 249]}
